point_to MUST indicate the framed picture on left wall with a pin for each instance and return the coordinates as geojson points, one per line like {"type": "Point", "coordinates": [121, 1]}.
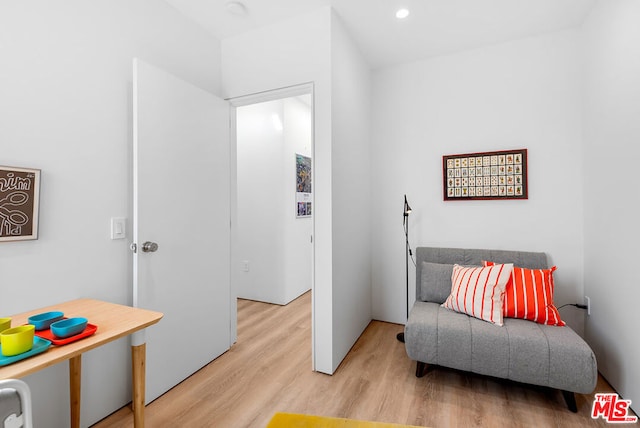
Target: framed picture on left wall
{"type": "Point", "coordinates": [19, 203]}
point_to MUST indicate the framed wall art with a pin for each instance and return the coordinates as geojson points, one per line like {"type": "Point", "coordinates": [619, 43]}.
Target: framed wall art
{"type": "Point", "coordinates": [303, 186]}
{"type": "Point", "coordinates": [485, 175]}
{"type": "Point", "coordinates": [19, 198]}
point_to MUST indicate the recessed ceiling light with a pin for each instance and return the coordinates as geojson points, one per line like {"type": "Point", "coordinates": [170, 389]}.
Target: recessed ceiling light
{"type": "Point", "coordinates": [236, 8]}
{"type": "Point", "coordinates": [402, 13]}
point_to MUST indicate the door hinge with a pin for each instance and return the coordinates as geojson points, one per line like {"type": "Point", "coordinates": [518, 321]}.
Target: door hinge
{"type": "Point", "coordinates": [133, 247]}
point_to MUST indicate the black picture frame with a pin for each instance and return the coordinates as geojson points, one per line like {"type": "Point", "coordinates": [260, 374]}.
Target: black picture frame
{"type": "Point", "coordinates": [19, 203]}
{"type": "Point", "coordinates": [500, 175]}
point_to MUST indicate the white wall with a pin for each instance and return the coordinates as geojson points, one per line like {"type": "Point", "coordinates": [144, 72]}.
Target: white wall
{"type": "Point", "coordinates": [611, 135]}
{"type": "Point", "coordinates": [293, 52]}
{"type": "Point", "coordinates": [297, 234]}
{"type": "Point", "coordinates": [65, 80]}
{"type": "Point", "coordinates": [300, 51]}
{"type": "Point", "coordinates": [521, 94]}
{"type": "Point", "coordinates": [351, 190]}
{"type": "Point", "coordinates": [270, 238]}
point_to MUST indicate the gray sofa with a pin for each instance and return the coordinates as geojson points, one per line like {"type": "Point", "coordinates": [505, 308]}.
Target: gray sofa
{"type": "Point", "coordinates": [521, 350]}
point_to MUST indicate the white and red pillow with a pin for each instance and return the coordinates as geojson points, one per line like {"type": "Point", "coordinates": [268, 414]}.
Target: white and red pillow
{"type": "Point", "coordinates": [529, 295]}
{"type": "Point", "coordinates": [478, 291]}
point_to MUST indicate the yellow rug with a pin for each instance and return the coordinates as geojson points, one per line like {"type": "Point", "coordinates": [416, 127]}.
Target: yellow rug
{"type": "Point", "coordinates": [291, 420]}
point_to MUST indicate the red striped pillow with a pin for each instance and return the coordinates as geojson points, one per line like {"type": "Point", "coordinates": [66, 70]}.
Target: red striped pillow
{"type": "Point", "coordinates": [529, 295]}
{"type": "Point", "coordinates": [478, 291]}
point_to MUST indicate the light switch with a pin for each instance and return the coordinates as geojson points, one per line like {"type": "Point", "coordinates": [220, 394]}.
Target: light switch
{"type": "Point", "coordinates": [118, 227]}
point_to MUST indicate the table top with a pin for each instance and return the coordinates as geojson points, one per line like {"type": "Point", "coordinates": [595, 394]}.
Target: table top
{"type": "Point", "coordinates": [114, 321]}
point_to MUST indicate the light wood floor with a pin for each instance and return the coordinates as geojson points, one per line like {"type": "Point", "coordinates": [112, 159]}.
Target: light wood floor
{"type": "Point", "coordinates": [269, 370]}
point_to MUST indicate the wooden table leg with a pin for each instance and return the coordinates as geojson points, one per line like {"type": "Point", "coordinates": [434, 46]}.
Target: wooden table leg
{"type": "Point", "coordinates": [75, 380]}
{"type": "Point", "coordinates": [138, 368]}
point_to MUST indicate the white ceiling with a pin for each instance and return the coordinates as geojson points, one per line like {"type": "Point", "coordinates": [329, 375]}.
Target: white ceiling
{"type": "Point", "coordinates": [434, 27]}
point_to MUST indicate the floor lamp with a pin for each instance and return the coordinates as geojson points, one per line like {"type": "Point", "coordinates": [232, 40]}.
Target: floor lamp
{"type": "Point", "coordinates": [405, 223]}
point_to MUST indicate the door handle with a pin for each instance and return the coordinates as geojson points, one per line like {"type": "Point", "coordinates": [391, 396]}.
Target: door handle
{"type": "Point", "coordinates": [149, 247]}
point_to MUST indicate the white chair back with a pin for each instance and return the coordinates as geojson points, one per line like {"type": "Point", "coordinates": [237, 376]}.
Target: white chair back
{"type": "Point", "coordinates": [15, 404]}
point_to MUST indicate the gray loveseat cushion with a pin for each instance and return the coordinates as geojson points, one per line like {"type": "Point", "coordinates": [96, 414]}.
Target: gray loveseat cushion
{"type": "Point", "coordinates": [521, 350]}
{"type": "Point", "coordinates": [466, 257]}
{"type": "Point", "coordinates": [435, 284]}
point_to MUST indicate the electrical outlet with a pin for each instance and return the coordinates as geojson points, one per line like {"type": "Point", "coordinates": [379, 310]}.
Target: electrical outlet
{"type": "Point", "coordinates": [587, 301]}
{"type": "Point", "coordinates": [245, 265]}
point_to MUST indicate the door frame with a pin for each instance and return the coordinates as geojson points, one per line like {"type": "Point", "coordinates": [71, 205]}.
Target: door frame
{"type": "Point", "coordinates": [245, 100]}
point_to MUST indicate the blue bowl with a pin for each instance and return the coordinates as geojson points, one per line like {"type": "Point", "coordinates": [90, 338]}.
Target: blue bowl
{"type": "Point", "coordinates": [44, 320]}
{"type": "Point", "coordinates": [68, 327]}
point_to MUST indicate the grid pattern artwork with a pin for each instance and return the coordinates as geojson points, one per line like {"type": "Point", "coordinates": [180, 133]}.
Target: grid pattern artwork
{"type": "Point", "coordinates": [485, 175]}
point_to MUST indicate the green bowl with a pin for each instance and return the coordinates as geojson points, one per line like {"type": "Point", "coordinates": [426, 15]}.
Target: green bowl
{"type": "Point", "coordinates": [17, 340]}
{"type": "Point", "coordinates": [5, 323]}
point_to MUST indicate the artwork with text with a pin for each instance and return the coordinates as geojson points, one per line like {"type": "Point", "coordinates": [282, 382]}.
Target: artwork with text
{"type": "Point", "coordinates": [19, 194]}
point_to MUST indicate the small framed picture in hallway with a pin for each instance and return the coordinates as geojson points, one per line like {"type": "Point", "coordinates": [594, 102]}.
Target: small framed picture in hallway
{"type": "Point", "coordinates": [303, 186]}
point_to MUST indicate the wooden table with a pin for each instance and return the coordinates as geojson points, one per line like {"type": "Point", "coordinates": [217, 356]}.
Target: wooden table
{"type": "Point", "coordinates": [113, 321]}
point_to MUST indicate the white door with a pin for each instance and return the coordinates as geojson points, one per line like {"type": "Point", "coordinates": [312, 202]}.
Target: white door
{"type": "Point", "coordinates": [181, 204]}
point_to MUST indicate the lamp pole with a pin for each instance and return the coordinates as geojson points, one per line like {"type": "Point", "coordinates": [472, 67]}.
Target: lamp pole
{"type": "Point", "coordinates": [405, 223]}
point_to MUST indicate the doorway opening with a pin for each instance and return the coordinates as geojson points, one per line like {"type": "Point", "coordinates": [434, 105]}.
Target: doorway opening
{"type": "Point", "coordinates": [272, 200]}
